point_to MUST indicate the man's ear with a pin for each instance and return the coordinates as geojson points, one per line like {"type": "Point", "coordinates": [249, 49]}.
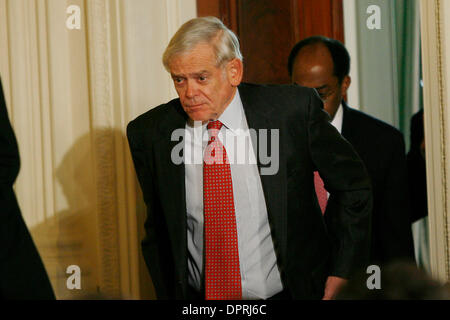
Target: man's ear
{"type": "Point", "coordinates": [345, 85]}
{"type": "Point", "coordinates": [235, 71]}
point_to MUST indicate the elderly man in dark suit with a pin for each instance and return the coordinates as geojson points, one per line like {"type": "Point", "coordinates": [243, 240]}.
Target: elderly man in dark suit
{"type": "Point", "coordinates": [227, 229]}
{"type": "Point", "coordinates": [22, 274]}
{"type": "Point", "coordinates": [324, 64]}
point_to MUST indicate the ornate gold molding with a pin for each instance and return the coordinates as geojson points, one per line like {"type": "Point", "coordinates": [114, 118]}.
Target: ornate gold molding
{"type": "Point", "coordinates": [102, 121]}
{"type": "Point", "coordinates": [443, 131]}
{"type": "Point", "coordinates": [435, 87]}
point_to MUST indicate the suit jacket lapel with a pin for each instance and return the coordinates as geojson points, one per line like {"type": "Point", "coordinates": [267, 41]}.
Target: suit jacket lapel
{"type": "Point", "coordinates": [259, 115]}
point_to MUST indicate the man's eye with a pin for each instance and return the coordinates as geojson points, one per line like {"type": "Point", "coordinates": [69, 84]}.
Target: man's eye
{"type": "Point", "coordinates": [177, 80]}
{"type": "Point", "coordinates": [202, 78]}
{"type": "Point", "coordinates": [323, 95]}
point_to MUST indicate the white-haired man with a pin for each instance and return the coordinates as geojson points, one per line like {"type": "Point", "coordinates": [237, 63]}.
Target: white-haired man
{"type": "Point", "coordinates": [227, 230]}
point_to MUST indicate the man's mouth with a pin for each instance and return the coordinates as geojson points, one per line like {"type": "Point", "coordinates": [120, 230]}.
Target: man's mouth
{"type": "Point", "coordinates": [195, 106]}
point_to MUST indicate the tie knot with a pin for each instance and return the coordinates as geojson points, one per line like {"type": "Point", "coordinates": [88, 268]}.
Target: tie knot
{"type": "Point", "coordinates": [215, 125]}
{"type": "Point", "coordinates": [213, 129]}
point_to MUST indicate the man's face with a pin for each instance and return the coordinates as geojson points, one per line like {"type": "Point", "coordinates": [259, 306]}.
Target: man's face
{"type": "Point", "coordinates": [313, 68]}
{"type": "Point", "coordinates": [204, 88]}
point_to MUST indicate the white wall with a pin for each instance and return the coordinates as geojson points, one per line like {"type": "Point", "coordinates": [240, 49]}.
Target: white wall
{"type": "Point", "coordinates": [351, 43]}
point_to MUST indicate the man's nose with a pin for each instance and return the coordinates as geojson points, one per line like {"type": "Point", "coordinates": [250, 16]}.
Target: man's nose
{"type": "Point", "coordinates": [191, 89]}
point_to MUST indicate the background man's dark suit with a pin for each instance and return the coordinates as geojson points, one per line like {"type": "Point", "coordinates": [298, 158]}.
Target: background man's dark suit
{"type": "Point", "coordinates": [307, 250]}
{"type": "Point", "coordinates": [22, 274]}
{"type": "Point", "coordinates": [382, 149]}
{"type": "Point", "coordinates": [417, 171]}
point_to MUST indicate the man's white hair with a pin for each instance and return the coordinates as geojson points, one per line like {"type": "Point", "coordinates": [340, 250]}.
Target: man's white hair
{"type": "Point", "coordinates": [208, 30]}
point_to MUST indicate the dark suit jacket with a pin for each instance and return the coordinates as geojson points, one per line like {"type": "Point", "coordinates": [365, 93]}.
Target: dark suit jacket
{"type": "Point", "coordinates": [417, 171]}
{"type": "Point", "coordinates": [308, 248]}
{"type": "Point", "coordinates": [22, 274]}
{"type": "Point", "coordinates": [382, 149]}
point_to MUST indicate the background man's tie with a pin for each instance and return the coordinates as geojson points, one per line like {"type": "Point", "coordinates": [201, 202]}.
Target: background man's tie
{"type": "Point", "coordinates": [320, 191]}
{"type": "Point", "coordinates": [222, 272]}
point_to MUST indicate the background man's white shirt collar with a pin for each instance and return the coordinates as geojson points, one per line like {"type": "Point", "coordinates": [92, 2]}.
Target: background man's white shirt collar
{"type": "Point", "coordinates": [338, 118]}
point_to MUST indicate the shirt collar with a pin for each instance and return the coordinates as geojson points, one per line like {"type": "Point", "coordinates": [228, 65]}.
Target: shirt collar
{"type": "Point", "coordinates": [232, 115]}
{"type": "Point", "coordinates": [338, 117]}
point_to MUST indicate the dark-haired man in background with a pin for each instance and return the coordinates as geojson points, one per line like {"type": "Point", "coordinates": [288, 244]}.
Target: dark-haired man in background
{"type": "Point", "coordinates": [324, 64]}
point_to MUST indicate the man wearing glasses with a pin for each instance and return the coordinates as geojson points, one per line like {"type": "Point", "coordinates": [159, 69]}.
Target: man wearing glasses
{"type": "Point", "coordinates": [324, 64]}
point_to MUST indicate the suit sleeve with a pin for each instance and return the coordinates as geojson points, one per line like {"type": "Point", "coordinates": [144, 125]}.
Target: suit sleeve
{"type": "Point", "coordinates": [417, 178]}
{"type": "Point", "coordinates": [348, 214]}
{"type": "Point", "coordinates": [9, 151]}
{"type": "Point", "coordinates": [396, 234]}
{"type": "Point", "coordinates": [22, 273]}
{"type": "Point", "coordinates": [156, 259]}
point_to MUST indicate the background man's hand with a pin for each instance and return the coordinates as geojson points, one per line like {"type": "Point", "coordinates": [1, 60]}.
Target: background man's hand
{"type": "Point", "coordinates": [332, 287]}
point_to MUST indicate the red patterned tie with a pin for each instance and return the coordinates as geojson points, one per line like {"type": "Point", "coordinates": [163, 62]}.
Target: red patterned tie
{"type": "Point", "coordinates": [222, 272]}
{"type": "Point", "coordinates": [320, 191]}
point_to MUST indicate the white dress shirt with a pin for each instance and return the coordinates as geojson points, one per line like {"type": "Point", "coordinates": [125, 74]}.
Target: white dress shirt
{"type": "Point", "coordinates": [338, 118]}
{"type": "Point", "coordinates": [258, 264]}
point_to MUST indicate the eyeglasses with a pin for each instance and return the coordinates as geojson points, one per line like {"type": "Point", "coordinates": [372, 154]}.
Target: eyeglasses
{"type": "Point", "coordinates": [328, 91]}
